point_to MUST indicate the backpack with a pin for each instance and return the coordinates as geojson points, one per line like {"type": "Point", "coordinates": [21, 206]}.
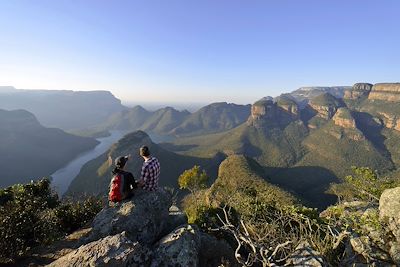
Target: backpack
{"type": "Point", "coordinates": [116, 193]}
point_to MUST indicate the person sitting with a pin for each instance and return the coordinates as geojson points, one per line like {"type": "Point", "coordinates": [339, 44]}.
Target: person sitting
{"type": "Point", "coordinates": [150, 170]}
{"type": "Point", "coordinates": [122, 183]}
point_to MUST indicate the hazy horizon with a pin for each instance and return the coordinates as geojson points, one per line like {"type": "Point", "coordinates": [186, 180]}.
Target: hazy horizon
{"type": "Point", "coordinates": [181, 52]}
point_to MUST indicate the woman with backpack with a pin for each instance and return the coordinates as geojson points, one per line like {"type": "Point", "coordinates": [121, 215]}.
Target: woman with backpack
{"type": "Point", "coordinates": [122, 183]}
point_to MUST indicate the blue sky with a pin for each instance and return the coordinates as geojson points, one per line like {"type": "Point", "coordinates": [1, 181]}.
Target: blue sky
{"type": "Point", "coordinates": [197, 51]}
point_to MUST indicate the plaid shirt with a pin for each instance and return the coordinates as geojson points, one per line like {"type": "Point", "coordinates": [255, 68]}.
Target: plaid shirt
{"type": "Point", "coordinates": [150, 174]}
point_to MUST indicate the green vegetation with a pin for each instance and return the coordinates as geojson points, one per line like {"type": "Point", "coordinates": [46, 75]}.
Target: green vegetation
{"type": "Point", "coordinates": [364, 184]}
{"type": "Point", "coordinates": [327, 99]}
{"type": "Point", "coordinates": [216, 117]}
{"type": "Point", "coordinates": [193, 179]}
{"type": "Point", "coordinates": [260, 216]}
{"type": "Point", "coordinates": [239, 185]}
{"type": "Point", "coordinates": [31, 215]}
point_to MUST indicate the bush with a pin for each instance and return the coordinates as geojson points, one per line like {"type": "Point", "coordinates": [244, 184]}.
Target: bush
{"type": "Point", "coordinates": [364, 184]}
{"type": "Point", "coordinates": [31, 214]}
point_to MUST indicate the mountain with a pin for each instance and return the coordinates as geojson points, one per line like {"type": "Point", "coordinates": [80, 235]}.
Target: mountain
{"type": "Point", "coordinates": [305, 149]}
{"type": "Point", "coordinates": [68, 110]}
{"type": "Point", "coordinates": [94, 177]}
{"type": "Point", "coordinates": [216, 117]}
{"type": "Point", "coordinates": [304, 94]}
{"type": "Point", "coordinates": [30, 151]}
{"type": "Point", "coordinates": [213, 118]}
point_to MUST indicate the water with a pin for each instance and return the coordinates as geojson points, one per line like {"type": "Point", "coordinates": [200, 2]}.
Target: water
{"type": "Point", "coordinates": [62, 178]}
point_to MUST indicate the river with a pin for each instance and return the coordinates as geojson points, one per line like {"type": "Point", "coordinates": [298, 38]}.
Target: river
{"type": "Point", "coordinates": [62, 178]}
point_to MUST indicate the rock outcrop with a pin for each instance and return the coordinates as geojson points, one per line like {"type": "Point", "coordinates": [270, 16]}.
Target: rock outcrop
{"type": "Point", "coordinates": [142, 232]}
{"type": "Point", "coordinates": [305, 255]}
{"type": "Point", "coordinates": [179, 248]}
{"type": "Point", "coordinates": [117, 251]}
{"type": "Point", "coordinates": [325, 105]}
{"type": "Point", "coordinates": [359, 90]}
{"type": "Point", "coordinates": [385, 91]}
{"type": "Point", "coordinates": [343, 118]}
{"type": "Point", "coordinates": [390, 120]}
{"type": "Point", "coordinates": [151, 207]}
{"type": "Point", "coordinates": [267, 113]}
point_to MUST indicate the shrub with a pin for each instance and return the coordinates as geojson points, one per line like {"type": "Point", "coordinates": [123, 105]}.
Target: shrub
{"type": "Point", "coordinates": [31, 214]}
{"type": "Point", "coordinates": [364, 184]}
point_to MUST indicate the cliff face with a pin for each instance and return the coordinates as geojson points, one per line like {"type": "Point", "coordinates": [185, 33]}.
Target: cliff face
{"type": "Point", "coordinates": [391, 121]}
{"type": "Point", "coordinates": [358, 91]}
{"type": "Point", "coordinates": [266, 113]}
{"type": "Point", "coordinates": [325, 105]}
{"type": "Point", "coordinates": [343, 118]}
{"type": "Point", "coordinates": [385, 91]}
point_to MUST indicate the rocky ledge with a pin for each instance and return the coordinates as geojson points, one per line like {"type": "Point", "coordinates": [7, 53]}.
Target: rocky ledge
{"type": "Point", "coordinates": [385, 91]}
{"type": "Point", "coordinates": [142, 232]}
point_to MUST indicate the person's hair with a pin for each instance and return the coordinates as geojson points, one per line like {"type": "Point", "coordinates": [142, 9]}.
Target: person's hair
{"type": "Point", "coordinates": [144, 151]}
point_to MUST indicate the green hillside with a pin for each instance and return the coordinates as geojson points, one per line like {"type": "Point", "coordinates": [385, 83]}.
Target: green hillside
{"type": "Point", "coordinates": [213, 118]}
{"type": "Point", "coordinates": [164, 120]}
{"type": "Point", "coordinates": [326, 99]}
{"type": "Point", "coordinates": [30, 151]}
{"type": "Point", "coordinates": [95, 175]}
{"type": "Point", "coordinates": [240, 177]}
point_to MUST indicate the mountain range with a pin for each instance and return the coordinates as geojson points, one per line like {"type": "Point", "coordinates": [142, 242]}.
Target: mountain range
{"type": "Point", "coordinates": [30, 151]}
{"type": "Point", "coordinates": [65, 109]}
{"type": "Point", "coordinates": [304, 140]}
{"type": "Point", "coordinates": [305, 149]}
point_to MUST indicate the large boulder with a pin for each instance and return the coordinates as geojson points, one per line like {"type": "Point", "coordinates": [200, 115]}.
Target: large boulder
{"type": "Point", "coordinates": [114, 251]}
{"type": "Point", "coordinates": [143, 217]}
{"type": "Point", "coordinates": [180, 248]}
{"type": "Point", "coordinates": [389, 210]}
{"type": "Point", "coordinates": [188, 246]}
{"type": "Point", "coordinates": [305, 255]}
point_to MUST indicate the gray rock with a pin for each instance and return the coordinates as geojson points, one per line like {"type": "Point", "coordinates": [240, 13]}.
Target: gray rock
{"type": "Point", "coordinates": [174, 220]}
{"type": "Point", "coordinates": [114, 251]}
{"type": "Point", "coordinates": [180, 248]}
{"type": "Point", "coordinates": [395, 253]}
{"type": "Point", "coordinates": [366, 252]}
{"type": "Point", "coordinates": [389, 210]}
{"type": "Point", "coordinates": [389, 204]}
{"type": "Point", "coordinates": [216, 252]}
{"type": "Point", "coordinates": [305, 255]}
{"type": "Point", "coordinates": [143, 218]}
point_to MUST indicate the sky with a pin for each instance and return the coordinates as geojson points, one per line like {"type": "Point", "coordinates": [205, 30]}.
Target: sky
{"type": "Point", "coordinates": [189, 51]}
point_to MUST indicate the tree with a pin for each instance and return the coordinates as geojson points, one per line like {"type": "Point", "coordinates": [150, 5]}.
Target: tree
{"type": "Point", "coordinates": [193, 179]}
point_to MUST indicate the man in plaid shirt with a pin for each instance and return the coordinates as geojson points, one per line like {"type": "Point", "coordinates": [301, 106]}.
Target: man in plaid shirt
{"type": "Point", "coordinates": [150, 170]}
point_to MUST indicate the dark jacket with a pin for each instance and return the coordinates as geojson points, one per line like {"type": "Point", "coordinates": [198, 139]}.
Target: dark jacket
{"type": "Point", "coordinates": [129, 182]}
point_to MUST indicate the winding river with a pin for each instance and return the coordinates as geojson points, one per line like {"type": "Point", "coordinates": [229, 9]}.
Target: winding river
{"type": "Point", "coordinates": [62, 178]}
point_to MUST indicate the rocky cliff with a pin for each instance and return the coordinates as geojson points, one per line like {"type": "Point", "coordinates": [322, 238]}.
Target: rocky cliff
{"type": "Point", "coordinates": [344, 118]}
{"type": "Point", "coordinates": [267, 113]}
{"type": "Point", "coordinates": [385, 91]}
{"type": "Point", "coordinates": [359, 90]}
{"type": "Point", "coordinates": [326, 105]}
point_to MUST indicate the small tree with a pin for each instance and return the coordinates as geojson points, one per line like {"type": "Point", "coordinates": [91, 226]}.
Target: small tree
{"type": "Point", "coordinates": [193, 179]}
